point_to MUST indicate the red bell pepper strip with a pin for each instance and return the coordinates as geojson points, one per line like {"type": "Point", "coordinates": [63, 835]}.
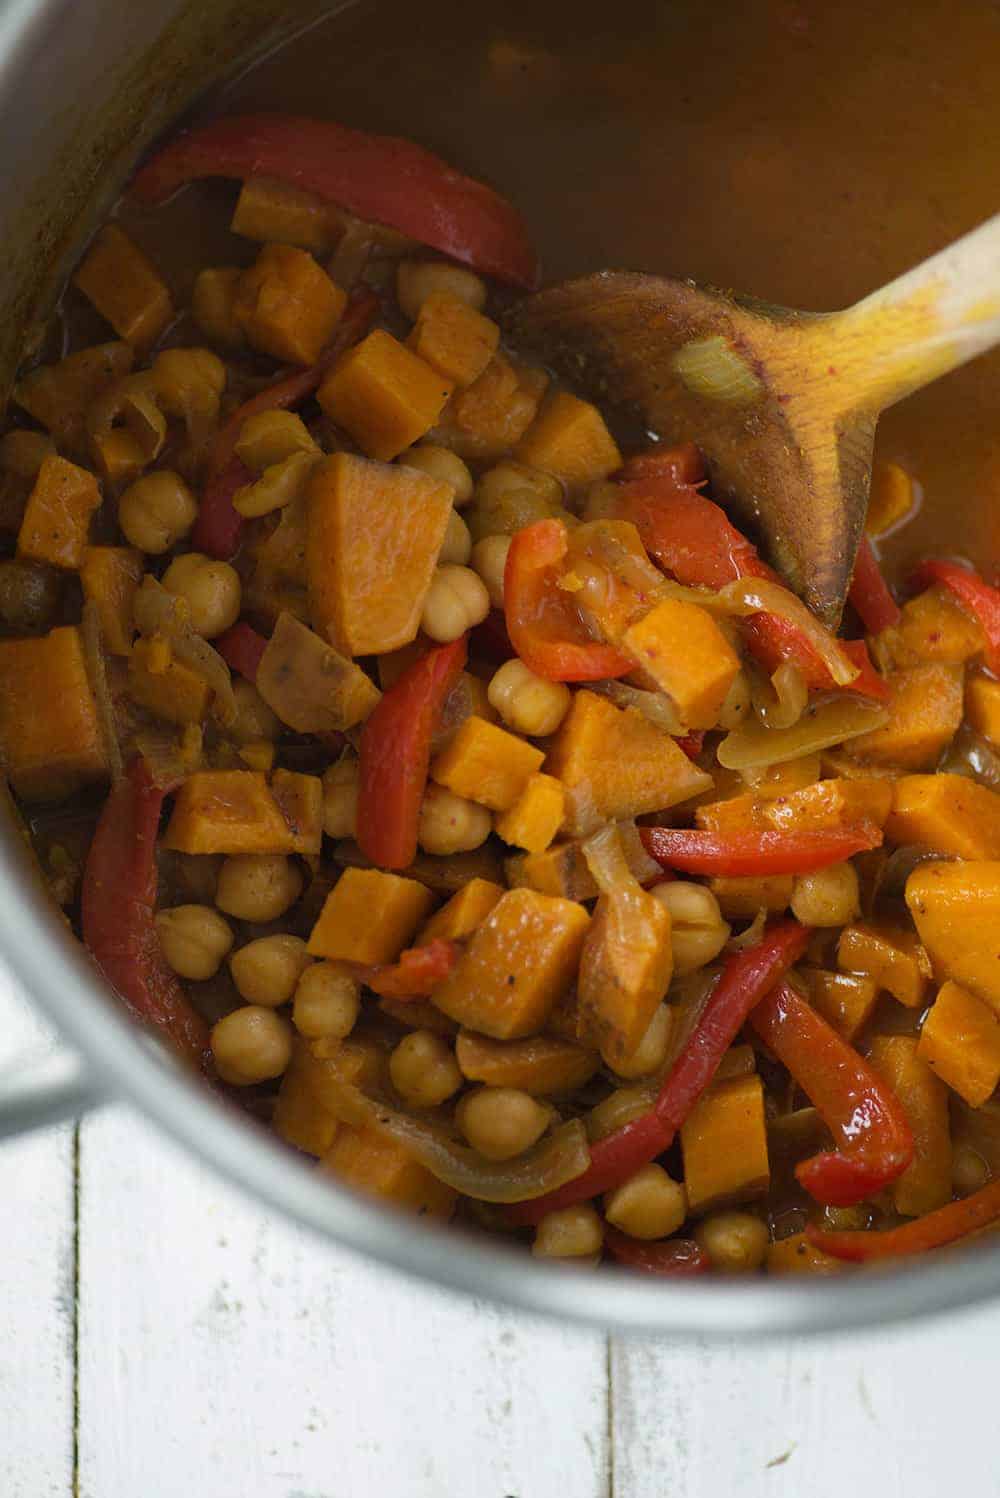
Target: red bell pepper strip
{"type": "Point", "coordinates": [975, 596]}
{"type": "Point", "coordinates": [241, 647]}
{"type": "Point", "coordinates": [674, 1258]}
{"type": "Point", "coordinates": [219, 525]}
{"type": "Point", "coordinates": [869, 592]}
{"type": "Point", "coordinates": [682, 464]}
{"type": "Point", "coordinates": [417, 973]}
{"type": "Point", "coordinates": [934, 1230]}
{"type": "Point", "coordinates": [766, 852]}
{"type": "Point", "coordinates": [692, 743]}
{"type": "Point", "coordinates": [773, 640]}
{"type": "Point", "coordinates": [395, 754]}
{"type": "Point", "coordinates": [117, 903]}
{"type": "Point", "coordinates": [860, 1110]}
{"type": "Point", "coordinates": [745, 979]}
{"type": "Point", "coordinates": [380, 178]}
{"type": "Point", "coordinates": [543, 622]}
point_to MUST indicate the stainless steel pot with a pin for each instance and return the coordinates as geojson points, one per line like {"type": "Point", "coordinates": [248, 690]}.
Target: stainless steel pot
{"type": "Point", "coordinates": [84, 85]}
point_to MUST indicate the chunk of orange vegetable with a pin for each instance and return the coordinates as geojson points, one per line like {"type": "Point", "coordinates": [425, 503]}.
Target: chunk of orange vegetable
{"type": "Point", "coordinates": [932, 627]}
{"type": "Point", "coordinates": [299, 798]}
{"type": "Point", "coordinates": [369, 917]}
{"type": "Point", "coordinates": [536, 816]}
{"type": "Point", "coordinates": [487, 764]}
{"type": "Point", "coordinates": [309, 685]}
{"type": "Point", "coordinates": [834, 804]}
{"type": "Point", "coordinates": [383, 395]}
{"type": "Point", "coordinates": [50, 738]}
{"type": "Point", "coordinates": [57, 516]}
{"type": "Point", "coordinates": [926, 1182]}
{"type": "Point", "coordinates": [277, 212]}
{"type": "Point", "coordinates": [466, 910]}
{"type": "Point", "coordinates": [724, 1143]}
{"type": "Point", "coordinates": [685, 652]}
{"type": "Point", "coordinates": [213, 304]}
{"type": "Point", "coordinates": [563, 870]}
{"type": "Point", "coordinates": [164, 686]}
{"type": "Point", "coordinates": [982, 707]}
{"type": "Point", "coordinates": [796, 1255]}
{"type": "Point", "coordinates": [232, 811]}
{"type": "Point", "coordinates": [299, 1115]}
{"type": "Point", "coordinates": [382, 1167]}
{"type": "Point", "coordinates": [117, 455]}
{"type": "Point", "coordinates": [925, 710]}
{"type": "Point", "coordinates": [59, 396]}
{"type": "Point", "coordinates": [454, 338]}
{"type": "Point", "coordinates": [125, 287]}
{"type": "Point", "coordinates": [544, 1065]}
{"type": "Point", "coordinates": [742, 895]}
{"type": "Point", "coordinates": [956, 909]}
{"type": "Point", "coordinates": [569, 438]}
{"type": "Point", "coordinates": [733, 814]}
{"type": "Point", "coordinates": [517, 966]}
{"type": "Point", "coordinates": [950, 813]}
{"type": "Point", "coordinates": [890, 499]}
{"type": "Point", "coordinates": [625, 970]}
{"type": "Point", "coordinates": [287, 305]}
{"type": "Point", "coordinates": [110, 576]}
{"type": "Point", "coordinates": [615, 764]}
{"type": "Point", "coordinates": [483, 422]}
{"type": "Point", "coordinates": [960, 1042]}
{"type": "Point", "coordinates": [373, 538]}
{"type": "Point", "coordinates": [847, 1000]}
{"type": "Point", "coordinates": [893, 956]}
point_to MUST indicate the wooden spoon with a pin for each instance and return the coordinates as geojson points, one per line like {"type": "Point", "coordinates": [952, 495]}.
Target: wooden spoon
{"type": "Point", "coordinates": [782, 403]}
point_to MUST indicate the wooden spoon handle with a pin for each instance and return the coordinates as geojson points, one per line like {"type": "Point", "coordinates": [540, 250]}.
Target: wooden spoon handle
{"type": "Point", "coordinates": [926, 322]}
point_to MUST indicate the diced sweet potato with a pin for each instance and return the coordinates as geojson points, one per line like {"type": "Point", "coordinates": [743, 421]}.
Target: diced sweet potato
{"type": "Point", "coordinates": [487, 764]}
{"type": "Point", "coordinates": [299, 1116]}
{"type": "Point", "coordinates": [625, 970]}
{"type": "Point", "coordinates": [890, 498]}
{"type": "Point", "coordinates": [891, 955]}
{"type": "Point", "coordinates": [517, 966]}
{"type": "Point", "coordinates": [536, 816]}
{"type": "Point", "coordinates": [569, 438]}
{"type": "Point", "coordinates": [796, 1255]}
{"type": "Point", "coordinates": [950, 813]}
{"type": "Point", "coordinates": [483, 422]}
{"type": "Point", "coordinates": [925, 711]}
{"type": "Point", "coordinates": [615, 764]}
{"type": "Point", "coordinates": [50, 737]}
{"type": "Point", "coordinates": [774, 781]}
{"type": "Point", "coordinates": [687, 655]}
{"type": "Point", "coordinates": [299, 798]}
{"type": "Point", "coordinates": [544, 1065]}
{"type": "Point", "coordinates": [454, 338]}
{"type": "Point", "coordinates": [287, 305]}
{"type": "Point", "coordinates": [833, 805]}
{"type": "Point", "coordinates": [960, 1042]}
{"type": "Point", "coordinates": [932, 627]}
{"type": "Point", "coordinates": [382, 1167]}
{"type": "Point", "coordinates": [57, 516]}
{"type": "Point", "coordinates": [742, 895]}
{"type": "Point", "coordinates": [724, 1141]}
{"type": "Point", "coordinates": [383, 395]}
{"type": "Point", "coordinates": [110, 576]}
{"type": "Point", "coordinates": [982, 707]}
{"type": "Point", "coordinates": [369, 917]}
{"type": "Point", "coordinates": [373, 538]}
{"type": "Point", "coordinates": [165, 686]}
{"type": "Point", "coordinates": [229, 811]}
{"type": "Point", "coordinates": [276, 212]}
{"type": "Point", "coordinates": [466, 910]}
{"type": "Point", "coordinates": [956, 907]}
{"type": "Point", "coordinates": [563, 869]}
{"type": "Point", "coordinates": [213, 304]}
{"type": "Point", "coordinates": [926, 1182]}
{"type": "Point", "coordinates": [125, 287]}
{"type": "Point", "coordinates": [309, 685]}
{"type": "Point", "coordinates": [847, 1000]}
{"type": "Point", "coordinates": [58, 396]}
{"type": "Point", "coordinates": [733, 814]}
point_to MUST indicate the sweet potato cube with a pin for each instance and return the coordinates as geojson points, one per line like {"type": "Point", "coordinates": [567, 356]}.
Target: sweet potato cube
{"type": "Point", "coordinates": [563, 869]}
{"type": "Point", "coordinates": [454, 338]}
{"type": "Point", "coordinates": [926, 1182]}
{"type": "Point", "coordinates": [274, 212]}
{"type": "Point", "coordinates": [299, 799]}
{"type": "Point", "coordinates": [687, 655]}
{"type": "Point", "coordinates": [125, 287]}
{"type": "Point", "coordinates": [536, 816]}
{"type": "Point", "coordinates": [487, 764]}
{"type": "Point", "coordinates": [299, 1116]}
{"type": "Point", "coordinates": [925, 711]}
{"type": "Point", "coordinates": [309, 685]}
{"type": "Point", "coordinates": [464, 912]}
{"type": "Point", "coordinates": [950, 813]}
{"type": "Point", "coordinates": [383, 395]}
{"type": "Point", "coordinates": [57, 516]}
{"type": "Point", "coordinates": [369, 917]}
{"type": "Point", "coordinates": [733, 814]}
{"type": "Point", "coordinates": [847, 1000]}
{"type": "Point", "coordinates": [933, 627]}
{"type": "Point", "coordinates": [164, 686]}
{"type": "Point", "coordinates": [982, 707]}
{"type": "Point", "coordinates": [833, 805]}
{"type": "Point", "coordinates": [624, 975]}
{"type": "Point", "coordinates": [960, 1042]}
{"type": "Point", "coordinates": [110, 576]}
{"type": "Point", "coordinates": [544, 1065]}
{"type": "Point", "coordinates": [891, 955]}
{"type": "Point", "coordinates": [796, 1255]}
{"type": "Point", "coordinates": [517, 966]}
{"type": "Point", "coordinates": [379, 1166]}
{"type": "Point", "coordinates": [287, 305]}
{"type": "Point", "coordinates": [774, 781]}
{"type": "Point", "coordinates": [570, 439]}
{"type": "Point", "coordinates": [213, 304]}
{"type": "Point", "coordinates": [50, 738]}
{"type": "Point", "coordinates": [229, 811]}
{"type": "Point", "coordinates": [59, 396]}
{"type": "Point", "coordinates": [956, 908]}
{"type": "Point", "coordinates": [724, 1142]}
{"type": "Point", "coordinates": [483, 422]}
{"type": "Point", "coordinates": [373, 537]}
{"type": "Point", "coordinates": [742, 895]}
{"type": "Point", "coordinates": [890, 498]}
{"type": "Point", "coordinates": [615, 764]}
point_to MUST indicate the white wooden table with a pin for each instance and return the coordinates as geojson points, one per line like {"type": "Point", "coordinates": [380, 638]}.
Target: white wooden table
{"type": "Point", "coordinates": [162, 1336]}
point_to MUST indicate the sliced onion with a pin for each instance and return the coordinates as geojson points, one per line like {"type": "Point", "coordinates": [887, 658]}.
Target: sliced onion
{"type": "Point", "coordinates": [972, 756]}
{"type": "Point", "coordinates": [93, 654]}
{"type": "Point", "coordinates": [780, 701]}
{"type": "Point", "coordinates": [900, 865]}
{"type": "Point", "coordinates": [656, 706]}
{"type": "Point", "coordinates": [158, 611]}
{"type": "Point", "coordinates": [759, 595]}
{"type": "Point", "coordinates": [825, 722]}
{"type": "Point", "coordinates": [751, 936]}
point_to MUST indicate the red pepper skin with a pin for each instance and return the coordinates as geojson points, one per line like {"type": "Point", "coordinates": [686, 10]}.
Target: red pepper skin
{"type": "Point", "coordinates": [692, 743]}
{"type": "Point", "coordinates": [417, 973]}
{"type": "Point", "coordinates": [380, 178]}
{"type": "Point", "coordinates": [766, 852]}
{"type": "Point", "coordinates": [395, 754]}
{"type": "Point", "coordinates": [773, 640]}
{"type": "Point", "coordinates": [490, 638]}
{"type": "Point", "coordinates": [682, 465]}
{"type": "Point", "coordinates": [934, 1230]}
{"type": "Point", "coordinates": [975, 596]}
{"type": "Point", "coordinates": [219, 528]}
{"type": "Point", "coordinates": [117, 904]}
{"type": "Point", "coordinates": [744, 981]}
{"type": "Point", "coordinates": [869, 592]}
{"type": "Point", "coordinates": [241, 647]}
{"type": "Point", "coordinates": [542, 621]}
{"type": "Point", "coordinates": [673, 1258]}
{"type": "Point", "coordinates": [862, 1113]}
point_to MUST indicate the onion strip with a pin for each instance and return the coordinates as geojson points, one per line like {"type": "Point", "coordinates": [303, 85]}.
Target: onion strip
{"type": "Point", "coordinates": [158, 611]}
{"type": "Point", "coordinates": [824, 724]}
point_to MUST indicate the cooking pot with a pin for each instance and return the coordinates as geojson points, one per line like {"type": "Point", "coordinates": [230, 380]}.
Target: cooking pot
{"type": "Point", "coordinates": [84, 86]}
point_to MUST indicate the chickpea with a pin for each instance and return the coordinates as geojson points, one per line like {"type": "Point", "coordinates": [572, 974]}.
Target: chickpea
{"type": "Point", "coordinates": [416, 280]}
{"type": "Point", "coordinates": [271, 436]}
{"type": "Point", "coordinates": [212, 590]}
{"type": "Point", "coordinates": [737, 703]}
{"type": "Point", "coordinates": [266, 971]}
{"type": "Point", "coordinates": [498, 483]}
{"type": "Point", "coordinates": [699, 932]}
{"type": "Point", "coordinates": [489, 559]}
{"type": "Point", "coordinates": [23, 453]}
{"type": "Point", "coordinates": [969, 1171]}
{"type": "Point", "coordinates": [618, 1108]}
{"type": "Point", "coordinates": [29, 595]}
{"type": "Point", "coordinates": [194, 939]}
{"type": "Point", "coordinates": [569, 1233]}
{"type": "Point", "coordinates": [423, 1069]}
{"type": "Point", "coordinates": [648, 1205]}
{"type": "Point", "coordinates": [447, 467]}
{"type": "Point", "coordinates": [651, 1052]}
{"type": "Point", "coordinates": [327, 1001]}
{"type": "Point", "coordinates": [457, 543]}
{"type": "Point", "coordinates": [456, 600]}
{"type": "Point", "coordinates": [254, 719]}
{"type": "Point", "coordinates": [501, 1122]}
{"type": "Point", "coordinates": [340, 797]}
{"type": "Point", "coordinates": [528, 703]}
{"type": "Point", "coordinates": [830, 897]}
{"type": "Point", "coordinates": [734, 1241]}
{"type": "Point", "coordinates": [258, 886]}
{"type": "Point", "coordinates": [188, 383]}
{"type": "Point", "coordinates": [156, 511]}
{"type": "Point", "coordinates": [251, 1045]}
{"type": "Point", "coordinates": [450, 824]}
{"type": "Point", "coordinates": [276, 487]}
